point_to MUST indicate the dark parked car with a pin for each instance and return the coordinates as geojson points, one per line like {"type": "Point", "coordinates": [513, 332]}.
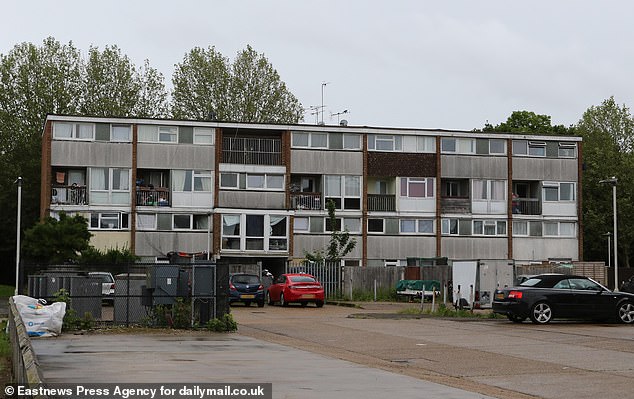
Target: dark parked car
{"type": "Point", "coordinates": [246, 288]}
{"type": "Point", "coordinates": [546, 297]}
{"type": "Point", "coordinates": [628, 285]}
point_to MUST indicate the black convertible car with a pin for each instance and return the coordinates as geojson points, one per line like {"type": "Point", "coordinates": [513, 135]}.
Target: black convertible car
{"type": "Point", "coordinates": [556, 296]}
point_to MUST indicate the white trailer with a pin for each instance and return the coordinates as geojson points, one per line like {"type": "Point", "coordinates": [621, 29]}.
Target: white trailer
{"type": "Point", "coordinates": [475, 281]}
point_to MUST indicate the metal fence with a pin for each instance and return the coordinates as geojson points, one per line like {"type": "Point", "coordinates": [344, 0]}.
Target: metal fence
{"type": "Point", "coordinates": [329, 274]}
{"type": "Point", "coordinates": [177, 295]}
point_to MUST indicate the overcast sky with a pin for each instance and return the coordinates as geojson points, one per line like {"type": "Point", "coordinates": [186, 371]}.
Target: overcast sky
{"type": "Point", "coordinates": [426, 64]}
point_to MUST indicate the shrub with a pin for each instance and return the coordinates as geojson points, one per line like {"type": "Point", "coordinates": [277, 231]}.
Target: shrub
{"type": "Point", "coordinates": [223, 324]}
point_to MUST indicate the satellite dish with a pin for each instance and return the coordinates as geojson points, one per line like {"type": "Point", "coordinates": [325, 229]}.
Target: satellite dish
{"type": "Point", "coordinates": [343, 122]}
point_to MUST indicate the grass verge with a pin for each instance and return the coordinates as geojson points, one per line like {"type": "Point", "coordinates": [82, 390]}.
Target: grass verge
{"type": "Point", "coordinates": [444, 311]}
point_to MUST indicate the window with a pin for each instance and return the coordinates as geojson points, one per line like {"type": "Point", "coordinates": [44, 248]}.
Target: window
{"type": "Point", "coordinates": [153, 134]}
{"type": "Point", "coordinates": [520, 147]}
{"type": "Point", "coordinates": [345, 191]}
{"type": "Point", "coordinates": [384, 142]}
{"type": "Point", "coordinates": [559, 229]}
{"type": "Point", "coordinates": [554, 191]}
{"type": "Point", "coordinates": [204, 136]}
{"type": "Point", "coordinates": [109, 221]}
{"type": "Point", "coordinates": [417, 226]}
{"type": "Point", "coordinates": [551, 229]}
{"type": "Point", "coordinates": [351, 141]}
{"type": "Point", "coordinates": [109, 186]}
{"type": "Point", "coordinates": [412, 187]}
{"type": "Point", "coordinates": [537, 148]}
{"type": "Point", "coordinates": [182, 222]}
{"type": "Point", "coordinates": [228, 180]}
{"type": "Point", "coordinates": [255, 181]}
{"type": "Point", "coordinates": [255, 232]}
{"type": "Point", "coordinates": [310, 139]}
{"type": "Point", "coordinates": [520, 228]}
{"type": "Point", "coordinates": [375, 226]}
{"type": "Point", "coordinates": [352, 225]}
{"type": "Point", "coordinates": [121, 133]}
{"type": "Point", "coordinates": [449, 226]}
{"type": "Point", "coordinates": [425, 144]}
{"type": "Point", "coordinates": [489, 227]}
{"type": "Point", "coordinates": [494, 190]}
{"type": "Point", "coordinates": [191, 180]}
{"type": "Point", "coordinates": [74, 131]}
{"type": "Point", "coordinates": [230, 231]}
{"type": "Point", "coordinates": [457, 145]}
{"type": "Point", "coordinates": [567, 150]}
{"type": "Point", "coordinates": [497, 146]}
{"type": "Point", "coordinates": [146, 221]}
{"type": "Point", "coordinates": [300, 224]}
{"type": "Point", "coordinates": [168, 134]}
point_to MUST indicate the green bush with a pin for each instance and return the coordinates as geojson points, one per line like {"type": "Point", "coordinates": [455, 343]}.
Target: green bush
{"type": "Point", "coordinates": [223, 324]}
{"type": "Point", "coordinates": [71, 320]}
{"type": "Point", "coordinates": [176, 316]}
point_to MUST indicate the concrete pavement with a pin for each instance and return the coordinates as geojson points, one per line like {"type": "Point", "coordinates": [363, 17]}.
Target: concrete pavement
{"type": "Point", "coordinates": [200, 357]}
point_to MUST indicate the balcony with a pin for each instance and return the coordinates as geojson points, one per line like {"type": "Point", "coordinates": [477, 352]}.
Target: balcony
{"type": "Point", "coordinates": [456, 205]}
{"type": "Point", "coordinates": [251, 151]}
{"type": "Point", "coordinates": [147, 196]}
{"type": "Point", "coordinates": [311, 201]}
{"type": "Point", "coordinates": [382, 202]}
{"type": "Point", "coordinates": [527, 206]}
{"type": "Point", "coordinates": [69, 195]}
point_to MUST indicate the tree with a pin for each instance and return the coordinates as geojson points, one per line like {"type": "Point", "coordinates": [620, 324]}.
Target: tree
{"type": "Point", "coordinates": [249, 90]}
{"type": "Point", "coordinates": [528, 122]}
{"type": "Point", "coordinates": [57, 241]}
{"type": "Point", "coordinates": [34, 81]}
{"type": "Point", "coordinates": [340, 243]}
{"type": "Point", "coordinates": [608, 134]}
{"type": "Point", "coordinates": [113, 86]}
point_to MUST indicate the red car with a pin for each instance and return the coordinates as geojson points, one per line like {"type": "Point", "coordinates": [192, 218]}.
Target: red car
{"type": "Point", "coordinates": [296, 287]}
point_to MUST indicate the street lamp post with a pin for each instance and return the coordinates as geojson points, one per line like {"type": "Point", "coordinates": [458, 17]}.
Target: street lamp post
{"type": "Point", "coordinates": [608, 235]}
{"type": "Point", "coordinates": [17, 239]}
{"type": "Point", "coordinates": [613, 182]}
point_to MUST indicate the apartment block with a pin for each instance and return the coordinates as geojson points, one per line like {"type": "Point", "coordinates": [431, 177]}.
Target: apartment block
{"type": "Point", "coordinates": [258, 192]}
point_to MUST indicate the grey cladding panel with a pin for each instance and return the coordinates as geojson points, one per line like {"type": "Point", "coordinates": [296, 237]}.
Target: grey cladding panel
{"type": "Point", "coordinates": [102, 131]}
{"type": "Point", "coordinates": [526, 168]}
{"type": "Point", "coordinates": [251, 199]}
{"type": "Point", "coordinates": [482, 146]}
{"type": "Point", "coordinates": [327, 162]}
{"type": "Point", "coordinates": [186, 134]}
{"type": "Point", "coordinates": [462, 166]}
{"type": "Point", "coordinates": [175, 156]}
{"type": "Point", "coordinates": [81, 153]}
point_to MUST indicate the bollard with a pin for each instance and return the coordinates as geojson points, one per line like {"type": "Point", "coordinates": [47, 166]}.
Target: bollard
{"type": "Point", "coordinates": [433, 299]}
{"type": "Point", "coordinates": [471, 297]}
{"type": "Point", "coordinates": [422, 298]}
{"type": "Point", "coordinates": [458, 299]}
{"type": "Point", "coordinates": [374, 290]}
{"type": "Point", "coordinates": [444, 294]}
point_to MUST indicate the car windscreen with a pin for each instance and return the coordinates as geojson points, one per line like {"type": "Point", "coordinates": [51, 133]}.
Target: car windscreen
{"type": "Point", "coordinates": [302, 279]}
{"type": "Point", "coordinates": [246, 279]}
{"type": "Point", "coordinates": [531, 282]}
{"type": "Point", "coordinates": [105, 278]}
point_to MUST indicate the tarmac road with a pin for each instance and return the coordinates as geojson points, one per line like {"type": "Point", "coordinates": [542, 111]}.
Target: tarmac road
{"type": "Point", "coordinates": [316, 353]}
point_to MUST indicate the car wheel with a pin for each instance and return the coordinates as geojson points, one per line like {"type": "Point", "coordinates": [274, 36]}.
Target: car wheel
{"type": "Point", "coordinates": [304, 304]}
{"type": "Point", "coordinates": [541, 313]}
{"type": "Point", "coordinates": [247, 303]}
{"type": "Point", "coordinates": [282, 301]}
{"type": "Point", "coordinates": [260, 304]}
{"type": "Point", "coordinates": [625, 313]}
{"type": "Point", "coordinates": [319, 304]}
{"type": "Point", "coordinates": [515, 318]}
{"type": "Point", "coordinates": [271, 301]}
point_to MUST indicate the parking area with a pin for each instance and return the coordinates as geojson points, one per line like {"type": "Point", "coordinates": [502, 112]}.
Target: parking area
{"type": "Point", "coordinates": [347, 352]}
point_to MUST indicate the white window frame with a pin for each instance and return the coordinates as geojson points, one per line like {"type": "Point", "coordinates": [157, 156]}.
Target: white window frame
{"type": "Point", "coordinates": [204, 136]}
{"type": "Point", "coordinates": [233, 187]}
{"type": "Point", "coordinates": [345, 224]}
{"type": "Point", "coordinates": [75, 131]}
{"type": "Point", "coordinates": [115, 126]}
{"type": "Point", "coordinates": [169, 131]}
{"type": "Point", "coordinates": [503, 152]}
{"type": "Point", "coordinates": [242, 236]}
{"type": "Point", "coordinates": [425, 144]}
{"type": "Point", "coordinates": [537, 145]}
{"type": "Point", "coordinates": [356, 145]}
{"type": "Point", "coordinates": [343, 192]}
{"type": "Point", "coordinates": [103, 216]}
{"type": "Point", "coordinates": [461, 145]}
{"type": "Point", "coordinates": [515, 229]}
{"type": "Point", "coordinates": [311, 140]}
{"type": "Point", "coordinates": [557, 186]}
{"type": "Point", "coordinates": [490, 190]}
{"type": "Point", "coordinates": [151, 217]}
{"type": "Point", "coordinates": [564, 148]}
{"type": "Point", "coordinates": [445, 226]}
{"type": "Point", "coordinates": [496, 224]}
{"type": "Point", "coordinates": [382, 226]}
{"type": "Point", "coordinates": [195, 174]}
{"type": "Point", "coordinates": [180, 215]}
{"type": "Point", "coordinates": [109, 190]}
{"type": "Point", "coordinates": [428, 182]}
{"type": "Point", "coordinates": [417, 226]}
{"type": "Point", "coordinates": [395, 142]}
{"type": "Point", "coordinates": [265, 182]}
{"type": "Point", "coordinates": [301, 229]}
{"type": "Point", "coordinates": [559, 229]}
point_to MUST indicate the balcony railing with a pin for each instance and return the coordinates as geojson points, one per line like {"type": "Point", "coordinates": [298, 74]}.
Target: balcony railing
{"type": "Point", "coordinates": [146, 196]}
{"type": "Point", "coordinates": [527, 206]}
{"type": "Point", "coordinates": [252, 151]}
{"type": "Point", "coordinates": [459, 205]}
{"type": "Point", "coordinates": [382, 202]}
{"type": "Point", "coordinates": [306, 201]}
{"type": "Point", "coordinates": [69, 195]}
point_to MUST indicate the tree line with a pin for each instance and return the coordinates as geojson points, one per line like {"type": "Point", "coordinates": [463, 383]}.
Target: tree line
{"type": "Point", "coordinates": [53, 77]}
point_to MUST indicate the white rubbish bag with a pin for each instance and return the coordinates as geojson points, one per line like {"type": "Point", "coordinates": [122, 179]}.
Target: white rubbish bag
{"type": "Point", "coordinates": [40, 319]}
